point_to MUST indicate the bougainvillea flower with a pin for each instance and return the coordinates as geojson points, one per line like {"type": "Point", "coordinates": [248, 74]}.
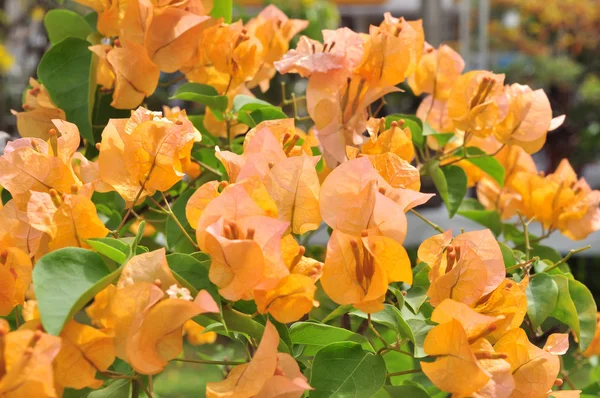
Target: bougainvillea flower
{"type": "Point", "coordinates": [287, 134]}
{"type": "Point", "coordinates": [338, 106]}
{"type": "Point", "coordinates": [243, 199]}
{"type": "Point", "coordinates": [395, 140]}
{"type": "Point", "coordinates": [262, 151]}
{"type": "Point", "coordinates": [136, 77]}
{"type": "Point", "coordinates": [474, 324]}
{"type": "Point", "coordinates": [196, 335]}
{"type": "Point", "coordinates": [504, 199]}
{"type": "Point", "coordinates": [38, 112]}
{"type": "Point", "coordinates": [27, 358]}
{"type": "Point", "coordinates": [455, 369]}
{"type": "Point", "coordinates": [289, 300]}
{"type": "Point", "coordinates": [342, 50]}
{"type": "Point", "coordinates": [293, 184]}
{"type": "Point", "coordinates": [68, 220]}
{"type": "Point", "coordinates": [27, 165]}
{"type": "Point", "coordinates": [475, 330]}
{"type": "Point", "coordinates": [84, 350]}
{"type": "Point", "coordinates": [226, 58]}
{"type": "Point", "coordinates": [15, 278]}
{"type": "Point", "coordinates": [15, 230]}
{"type": "Point", "coordinates": [105, 75]}
{"type": "Point", "coordinates": [473, 103]}
{"type": "Point", "coordinates": [99, 310]}
{"type": "Point", "coordinates": [435, 112]}
{"type": "Point", "coordinates": [508, 302]}
{"type": "Point", "coordinates": [391, 51]}
{"type": "Point", "coordinates": [354, 197]}
{"type": "Point", "coordinates": [245, 254]}
{"type": "Point", "coordinates": [268, 375]}
{"type": "Point", "coordinates": [560, 201]}
{"type": "Point", "coordinates": [147, 267]}
{"type": "Point", "coordinates": [110, 14]}
{"type": "Point", "coordinates": [144, 153]}
{"type": "Point", "coordinates": [528, 120]}
{"type": "Point", "coordinates": [296, 262]}
{"type": "Point", "coordinates": [397, 172]}
{"type": "Point", "coordinates": [148, 324]}
{"type": "Point", "coordinates": [274, 30]}
{"type": "Point", "coordinates": [167, 31]}
{"type": "Point", "coordinates": [465, 268]}
{"type": "Point", "coordinates": [358, 270]}
{"type": "Point", "coordinates": [534, 369]}
{"type": "Point", "coordinates": [437, 72]}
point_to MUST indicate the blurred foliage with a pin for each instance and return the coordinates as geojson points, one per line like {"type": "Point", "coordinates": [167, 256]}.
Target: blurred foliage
{"type": "Point", "coordinates": [559, 46]}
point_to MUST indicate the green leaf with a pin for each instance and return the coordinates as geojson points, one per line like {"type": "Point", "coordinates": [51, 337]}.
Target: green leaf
{"type": "Point", "coordinates": [68, 73]}
{"type": "Point", "coordinates": [507, 255]}
{"type": "Point", "coordinates": [565, 310]}
{"type": "Point", "coordinates": [65, 280]}
{"type": "Point", "coordinates": [202, 93]}
{"type": "Point", "coordinates": [542, 294]}
{"type": "Point", "coordinates": [511, 233]}
{"type": "Point", "coordinates": [442, 138]}
{"type": "Point", "coordinates": [485, 162]}
{"type": "Point", "coordinates": [251, 116]}
{"type": "Point", "coordinates": [176, 239]}
{"type": "Point", "coordinates": [339, 311]}
{"type": "Point", "coordinates": [61, 24]}
{"type": "Point", "coordinates": [406, 390]}
{"type": "Point", "coordinates": [193, 272]}
{"type": "Point", "coordinates": [390, 317]}
{"type": "Point", "coordinates": [413, 123]}
{"type": "Point", "coordinates": [222, 9]}
{"type": "Point", "coordinates": [473, 210]}
{"type": "Point", "coordinates": [247, 102]}
{"type": "Point", "coordinates": [544, 253]}
{"type": "Point", "coordinates": [118, 389]}
{"type": "Point", "coordinates": [115, 249]}
{"type": "Point", "coordinates": [315, 336]}
{"type": "Point", "coordinates": [419, 327]}
{"type": "Point", "coordinates": [456, 180]}
{"type": "Point", "coordinates": [586, 312]}
{"type": "Point", "coordinates": [417, 294]}
{"type": "Point", "coordinates": [346, 370]}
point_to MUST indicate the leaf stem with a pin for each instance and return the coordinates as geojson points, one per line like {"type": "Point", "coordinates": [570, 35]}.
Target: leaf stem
{"type": "Point", "coordinates": [526, 232]}
{"type": "Point", "coordinates": [404, 372]}
{"type": "Point", "coordinates": [209, 362]}
{"type": "Point", "coordinates": [431, 224]}
{"type": "Point", "coordinates": [566, 258]}
{"type": "Point", "coordinates": [174, 217]}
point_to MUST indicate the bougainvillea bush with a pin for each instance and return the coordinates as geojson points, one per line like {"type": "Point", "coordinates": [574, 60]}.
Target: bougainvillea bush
{"type": "Point", "coordinates": [127, 230]}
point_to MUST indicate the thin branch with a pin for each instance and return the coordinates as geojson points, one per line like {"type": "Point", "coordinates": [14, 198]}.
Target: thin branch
{"type": "Point", "coordinates": [174, 217]}
{"type": "Point", "coordinates": [209, 362]}
{"type": "Point", "coordinates": [404, 372]}
{"type": "Point", "coordinates": [431, 224]}
{"type": "Point", "coordinates": [566, 258]}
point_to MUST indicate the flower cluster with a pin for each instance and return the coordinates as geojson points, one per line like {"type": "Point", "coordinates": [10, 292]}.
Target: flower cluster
{"type": "Point", "coordinates": [221, 209]}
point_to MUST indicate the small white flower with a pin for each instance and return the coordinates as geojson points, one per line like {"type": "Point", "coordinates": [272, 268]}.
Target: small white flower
{"type": "Point", "coordinates": [176, 292]}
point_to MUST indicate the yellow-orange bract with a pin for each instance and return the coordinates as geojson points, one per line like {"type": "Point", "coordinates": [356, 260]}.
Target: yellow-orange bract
{"type": "Point", "coordinates": [147, 311]}
{"type": "Point", "coordinates": [559, 201]}
{"type": "Point", "coordinates": [358, 270]}
{"type": "Point", "coordinates": [145, 153]}
{"type": "Point", "coordinates": [269, 374]}
{"type": "Point", "coordinates": [15, 278]}
{"type": "Point", "coordinates": [464, 268]}
{"type": "Point", "coordinates": [534, 369]}
{"type": "Point", "coordinates": [27, 358]}
{"type": "Point", "coordinates": [38, 112]}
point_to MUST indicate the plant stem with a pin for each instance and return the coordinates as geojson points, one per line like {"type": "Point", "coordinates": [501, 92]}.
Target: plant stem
{"type": "Point", "coordinates": [404, 372]}
{"type": "Point", "coordinates": [137, 197]}
{"type": "Point", "coordinates": [520, 265]}
{"type": "Point", "coordinates": [208, 362]}
{"type": "Point", "coordinates": [566, 258]}
{"type": "Point", "coordinates": [431, 224]}
{"type": "Point", "coordinates": [174, 217]}
{"type": "Point", "coordinates": [375, 332]}
{"type": "Point", "coordinates": [210, 168]}
{"type": "Point", "coordinates": [526, 232]}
